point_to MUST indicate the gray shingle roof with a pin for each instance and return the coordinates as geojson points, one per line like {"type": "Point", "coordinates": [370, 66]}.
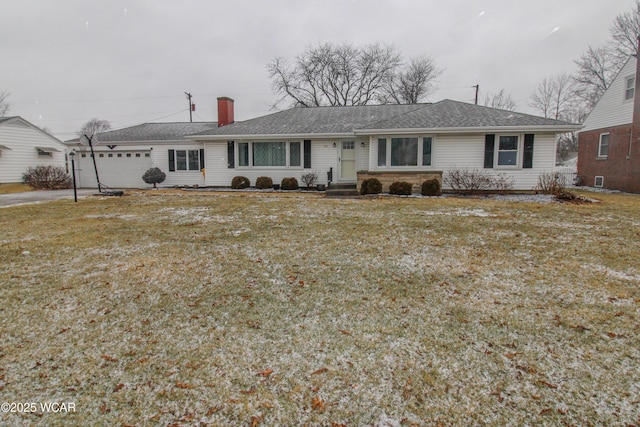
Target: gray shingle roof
{"type": "Point", "coordinates": [334, 120]}
{"type": "Point", "coordinates": [154, 132]}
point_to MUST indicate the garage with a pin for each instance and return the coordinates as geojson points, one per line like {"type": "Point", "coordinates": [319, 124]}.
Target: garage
{"type": "Point", "coordinates": [117, 169]}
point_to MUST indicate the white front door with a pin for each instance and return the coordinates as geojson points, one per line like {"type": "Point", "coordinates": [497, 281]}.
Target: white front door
{"type": "Point", "coordinates": [347, 161]}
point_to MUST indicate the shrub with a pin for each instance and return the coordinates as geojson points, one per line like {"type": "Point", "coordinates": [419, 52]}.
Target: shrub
{"type": "Point", "coordinates": [289, 184]}
{"type": "Point", "coordinates": [47, 178]}
{"type": "Point", "coordinates": [470, 180]}
{"type": "Point", "coordinates": [431, 187]}
{"type": "Point", "coordinates": [264, 182]}
{"type": "Point", "coordinates": [548, 183]}
{"type": "Point", "coordinates": [371, 186]}
{"type": "Point", "coordinates": [309, 179]}
{"type": "Point", "coordinates": [154, 176]}
{"type": "Point", "coordinates": [240, 182]}
{"type": "Point", "coordinates": [401, 188]}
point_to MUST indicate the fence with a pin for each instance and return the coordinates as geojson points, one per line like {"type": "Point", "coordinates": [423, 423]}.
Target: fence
{"type": "Point", "coordinates": [566, 176]}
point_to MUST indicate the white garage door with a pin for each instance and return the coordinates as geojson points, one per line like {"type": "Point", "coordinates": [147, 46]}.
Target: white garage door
{"type": "Point", "coordinates": [121, 169]}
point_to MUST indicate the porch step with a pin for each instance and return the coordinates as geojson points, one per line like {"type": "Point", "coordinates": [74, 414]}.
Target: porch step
{"type": "Point", "coordinates": [341, 190]}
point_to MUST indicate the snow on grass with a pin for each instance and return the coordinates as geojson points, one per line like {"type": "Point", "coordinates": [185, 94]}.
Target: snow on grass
{"type": "Point", "coordinates": [280, 309]}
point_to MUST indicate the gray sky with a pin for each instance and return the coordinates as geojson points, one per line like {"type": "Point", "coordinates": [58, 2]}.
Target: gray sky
{"type": "Point", "coordinates": [130, 61]}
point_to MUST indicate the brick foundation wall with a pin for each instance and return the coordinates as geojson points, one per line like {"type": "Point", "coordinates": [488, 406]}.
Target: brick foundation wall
{"type": "Point", "coordinates": [620, 169]}
{"type": "Point", "coordinates": [387, 178]}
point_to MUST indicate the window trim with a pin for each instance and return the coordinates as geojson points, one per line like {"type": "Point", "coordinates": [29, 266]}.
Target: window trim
{"type": "Point", "coordinates": [188, 156]}
{"type": "Point", "coordinates": [419, 153]}
{"type": "Point", "coordinates": [628, 89]}
{"type": "Point", "coordinates": [518, 151]}
{"type": "Point", "coordinates": [287, 164]}
{"type": "Point", "coordinates": [608, 145]}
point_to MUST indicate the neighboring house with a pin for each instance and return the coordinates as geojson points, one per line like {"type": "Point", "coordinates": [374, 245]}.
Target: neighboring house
{"type": "Point", "coordinates": [342, 143]}
{"type": "Point", "coordinates": [609, 145]}
{"type": "Point", "coordinates": [24, 145]}
{"type": "Point", "coordinates": [123, 156]}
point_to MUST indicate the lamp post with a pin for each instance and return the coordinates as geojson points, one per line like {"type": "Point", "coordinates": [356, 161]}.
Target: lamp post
{"type": "Point", "coordinates": [72, 156]}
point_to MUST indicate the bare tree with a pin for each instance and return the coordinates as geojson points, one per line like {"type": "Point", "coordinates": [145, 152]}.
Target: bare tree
{"type": "Point", "coordinates": [94, 126]}
{"type": "Point", "coordinates": [4, 105]}
{"type": "Point", "coordinates": [625, 31]}
{"type": "Point", "coordinates": [344, 74]}
{"type": "Point", "coordinates": [500, 100]}
{"type": "Point", "coordinates": [553, 96]}
{"type": "Point", "coordinates": [412, 83]}
{"type": "Point", "coordinates": [597, 68]}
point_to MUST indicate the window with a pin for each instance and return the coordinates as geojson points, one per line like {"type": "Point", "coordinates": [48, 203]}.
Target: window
{"type": "Point", "coordinates": [404, 151]}
{"type": "Point", "coordinates": [110, 155]}
{"type": "Point", "coordinates": [243, 154]}
{"type": "Point", "coordinates": [408, 151]}
{"type": "Point", "coordinates": [273, 154]}
{"type": "Point", "coordinates": [84, 155]}
{"type": "Point", "coordinates": [186, 160]}
{"type": "Point", "coordinates": [44, 153]}
{"type": "Point", "coordinates": [194, 160]}
{"type": "Point", "coordinates": [294, 153]}
{"type": "Point", "coordinates": [599, 181]}
{"type": "Point", "coordinates": [603, 145]}
{"type": "Point", "coordinates": [101, 155]}
{"type": "Point", "coordinates": [426, 151]}
{"type": "Point", "coordinates": [147, 154]}
{"type": "Point", "coordinates": [630, 88]}
{"type": "Point", "coordinates": [119, 154]}
{"type": "Point", "coordinates": [137, 154]}
{"type": "Point", "coordinates": [128, 154]}
{"type": "Point", "coordinates": [269, 154]}
{"type": "Point", "coordinates": [382, 151]}
{"type": "Point", "coordinates": [508, 150]}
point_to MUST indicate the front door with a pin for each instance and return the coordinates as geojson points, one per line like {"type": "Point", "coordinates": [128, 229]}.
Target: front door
{"type": "Point", "coordinates": [348, 161]}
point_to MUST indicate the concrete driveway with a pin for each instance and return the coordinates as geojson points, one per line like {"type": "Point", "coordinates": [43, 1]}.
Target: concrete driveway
{"type": "Point", "coordinates": [41, 196]}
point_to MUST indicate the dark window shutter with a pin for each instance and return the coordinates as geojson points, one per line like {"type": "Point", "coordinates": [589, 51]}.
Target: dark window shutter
{"type": "Point", "coordinates": [172, 160]}
{"type": "Point", "coordinates": [527, 161]}
{"type": "Point", "coordinates": [231, 155]}
{"type": "Point", "coordinates": [307, 153]}
{"type": "Point", "coordinates": [201, 158]}
{"type": "Point", "coordinates": [489, 149]}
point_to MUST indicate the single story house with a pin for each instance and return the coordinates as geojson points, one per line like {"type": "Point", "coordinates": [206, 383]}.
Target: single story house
{"type": "Point", "coordinates": [342, 144]}
{"type": "Point", "coordinates": [608, 145]}
{"type": "Point", "coordinates": [24, 145]}
{"type": "Point", "coordinates": [339, 144]}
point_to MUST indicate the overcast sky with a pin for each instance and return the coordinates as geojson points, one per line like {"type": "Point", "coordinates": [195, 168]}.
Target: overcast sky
{"type": "Point", "coordinates": [130, 61]}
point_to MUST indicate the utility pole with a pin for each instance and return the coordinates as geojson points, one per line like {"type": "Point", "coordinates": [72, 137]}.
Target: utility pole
{"type": "Point", "coordinates": [190, 106]}
{"type": "Point", "coordinates": [477, 90]}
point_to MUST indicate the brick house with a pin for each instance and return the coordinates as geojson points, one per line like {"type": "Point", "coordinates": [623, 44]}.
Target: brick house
{"type": "Point", "coordinates": [609, 143]}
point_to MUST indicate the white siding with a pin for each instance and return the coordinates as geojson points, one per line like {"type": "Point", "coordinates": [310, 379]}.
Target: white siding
{"type": "Point", "coordinates": [612, 109]}
{"type": "Point", "coordinates": [22, 140]}
{"type": "Point", "coordinates": [323, 156]}
{"type": "Point", "coordinates": [126, 172]}
{"type": "Point", "coordinates": [467, 151]}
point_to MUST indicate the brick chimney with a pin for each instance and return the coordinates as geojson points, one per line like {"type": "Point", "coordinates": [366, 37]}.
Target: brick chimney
{"type": "Point", "coordinates": [225, 111]}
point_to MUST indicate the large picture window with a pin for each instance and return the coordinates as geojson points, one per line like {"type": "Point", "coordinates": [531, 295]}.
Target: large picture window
{"type": "Point", "coordinates": [270, 154]}
{"type": "Point", "coordinates": [508, 150]}
{"type": "Point", "coordinates": [405, 151]}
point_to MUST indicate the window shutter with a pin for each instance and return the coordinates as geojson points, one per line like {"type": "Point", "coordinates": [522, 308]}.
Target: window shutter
{"type": "Point", "coordinates": [527, 161]}
{"type": "Point", "coordinates": [172, 160]}
{"type": "Point", "coordinates": [489, 149]}
{"type": "Point", "coordinates": [231, 155]}
{"type": "Point", "coordinates": [307, 153]}
{"type": "Point", "coordinates": [201, 158]}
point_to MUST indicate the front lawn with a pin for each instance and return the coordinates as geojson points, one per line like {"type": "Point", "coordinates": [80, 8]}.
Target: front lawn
{"type": "Point", "coordinates": [179, 308]}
